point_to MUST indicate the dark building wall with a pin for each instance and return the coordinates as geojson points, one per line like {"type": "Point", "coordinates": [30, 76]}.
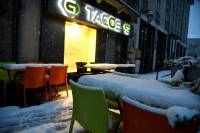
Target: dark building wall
{"type": "Point", "coordinates": [52, 39]}
{"type": "Point", "coordinates": [100, 46]}
{"type": "Point", "coordinates": [6, 30]}
{"type": "Point", "coordinates": [111, 47]}
{"type": "Point", "coordinates": [29, 31]}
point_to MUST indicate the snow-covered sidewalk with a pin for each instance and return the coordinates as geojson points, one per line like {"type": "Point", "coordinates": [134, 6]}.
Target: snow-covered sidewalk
{"type": "Point", "coordinates": [50, 117]}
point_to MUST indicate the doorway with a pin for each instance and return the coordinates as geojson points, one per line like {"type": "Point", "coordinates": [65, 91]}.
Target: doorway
{"type": "Point", "coordinates": [146, 45]}
{"type": "Point", "coordinates": [80, 45]}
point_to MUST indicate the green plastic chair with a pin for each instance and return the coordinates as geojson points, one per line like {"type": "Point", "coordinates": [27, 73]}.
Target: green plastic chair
{"type": "Point", "coordinates": [4, 77]}
{"type": "Point", "coordinates": [90, 109]}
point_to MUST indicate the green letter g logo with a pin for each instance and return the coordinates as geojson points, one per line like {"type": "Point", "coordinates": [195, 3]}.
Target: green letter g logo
{"type": "Point", "coordinates": [69, 8]}
{"type": "Point", "coordinates": [72, 8]}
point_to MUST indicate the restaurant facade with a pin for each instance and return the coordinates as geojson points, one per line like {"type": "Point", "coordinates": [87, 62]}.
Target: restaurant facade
{"type": "Point", "coordinates": [68, 31]}
{"type": "Point", "coordinates": [100, 31]}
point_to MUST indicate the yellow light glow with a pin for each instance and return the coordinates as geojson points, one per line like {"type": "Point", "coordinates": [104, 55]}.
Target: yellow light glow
{"type": "Point", "coordinates": [75, 30]}
{"type": "Point", "coordinates": [80, 45]}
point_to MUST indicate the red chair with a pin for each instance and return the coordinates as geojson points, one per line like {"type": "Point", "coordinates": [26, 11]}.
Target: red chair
{"type": "Point", "coordinates": [138, 120]}
{"type": "Point", "coordinates": [34, 78]}
{"type": "Point", "coordinates": [58, 77]}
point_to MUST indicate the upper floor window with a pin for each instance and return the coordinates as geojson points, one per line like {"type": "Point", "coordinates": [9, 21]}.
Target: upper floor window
{"type": "Point", "coordinates": [157, 18]}
{"type": "Point", "coordinates": [158, 5]}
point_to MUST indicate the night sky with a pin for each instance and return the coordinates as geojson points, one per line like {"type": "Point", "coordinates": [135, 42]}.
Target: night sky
{"type": "Point", "coordinates": [194, 20]}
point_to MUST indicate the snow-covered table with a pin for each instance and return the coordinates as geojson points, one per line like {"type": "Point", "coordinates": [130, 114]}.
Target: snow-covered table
{"type": "Point", "coordinates": [21, 67]}
{"type": "Point", "coordinates": [101, 66]}
{"type": "Point", "coordinates": [107, 66]}
{"type": "Point", "coordinates": [15, 68]}
{"type": "Point", "coordinates": [151, 92]}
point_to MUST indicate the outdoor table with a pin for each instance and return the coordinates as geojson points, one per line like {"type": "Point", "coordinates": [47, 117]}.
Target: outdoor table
{"type": "Point", "coordinates": [15, 68]}
{"type": "Point", "coordinates": [151, 92]}
{"type": "Point", "coordinates": [20, 68]}
{"type": "Point", "coordinates": [103, 67]}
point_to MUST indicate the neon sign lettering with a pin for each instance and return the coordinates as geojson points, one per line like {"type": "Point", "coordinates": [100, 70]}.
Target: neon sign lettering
{"type": "Point", "coordinates": [73, 9]}
{"type": "Point", "coordinates": [103, 19]}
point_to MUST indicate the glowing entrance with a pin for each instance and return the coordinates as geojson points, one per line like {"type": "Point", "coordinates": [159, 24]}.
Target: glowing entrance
{"type": "Point", "coordinates": [80, 45]}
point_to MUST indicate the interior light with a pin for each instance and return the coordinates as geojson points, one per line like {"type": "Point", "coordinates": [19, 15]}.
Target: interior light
{"type": "Point", "coordinates": [85, 27]}
{"type": "Point", "coordinates": [75, 29]}
{"type": "Point", "coordinates": [80, 45]}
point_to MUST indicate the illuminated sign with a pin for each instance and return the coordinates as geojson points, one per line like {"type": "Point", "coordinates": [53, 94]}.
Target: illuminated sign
{"type": "Point", "coordinates": [103, 19]}
{"type": "Point", "coordinates": [80, 10]}
{"type": "Point", "coordinates": [69, 8]}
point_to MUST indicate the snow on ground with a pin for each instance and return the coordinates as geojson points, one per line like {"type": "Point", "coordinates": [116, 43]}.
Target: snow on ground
{"type": "Point", "coordinates": [55, 116]}
{"type": "Point", "coordinates": [50, 117]}
{"type": "Point", "coordinates": [162, 75]}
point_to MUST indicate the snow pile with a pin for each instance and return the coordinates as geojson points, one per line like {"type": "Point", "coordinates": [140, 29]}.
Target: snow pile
{"type": "Point", "coordinates": [48, 117]}
{"type": "Point", "coordinates": [176, 115]}
{"type": "Point", "coordinates": [177, 78]}
{"type": "Point", "coordinates": [151, 92]}
{"type": "Point", "coordinates": [180, 115]}
{"type": "Point", "coordinates": [184, 69]}
{"type": "Point", "coordinates": [186, 60]}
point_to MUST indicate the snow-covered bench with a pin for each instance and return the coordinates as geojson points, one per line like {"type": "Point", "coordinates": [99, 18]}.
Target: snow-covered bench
{"type": "Point", "coordinates": [141, 118]}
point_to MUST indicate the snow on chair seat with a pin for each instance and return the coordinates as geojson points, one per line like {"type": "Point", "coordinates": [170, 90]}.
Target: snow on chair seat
{"type": "Point", "coordinates": [141, 118]}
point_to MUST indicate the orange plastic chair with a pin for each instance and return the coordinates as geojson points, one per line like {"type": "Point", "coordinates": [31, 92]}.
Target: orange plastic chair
{"type": "Point", "coordinates": [34, 78]}
{"type": "Point", "coordinates": [58, 77]}
{"type": "Point", "coordinates": [137, 120]}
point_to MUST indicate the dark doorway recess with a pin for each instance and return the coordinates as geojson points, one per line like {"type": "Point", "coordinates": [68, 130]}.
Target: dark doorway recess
{"type": "Point", "coordinates": [111, 47]}
{"type": "Point", "coordinates": [161, 49]}
{"type": "Point", "coordinates": [146, 46]}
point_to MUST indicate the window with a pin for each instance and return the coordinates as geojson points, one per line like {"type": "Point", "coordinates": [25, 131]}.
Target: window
{"type": "Point", "coordinates": [158, 5]}
{"type": "Point", "coordinates": [157, 17]}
